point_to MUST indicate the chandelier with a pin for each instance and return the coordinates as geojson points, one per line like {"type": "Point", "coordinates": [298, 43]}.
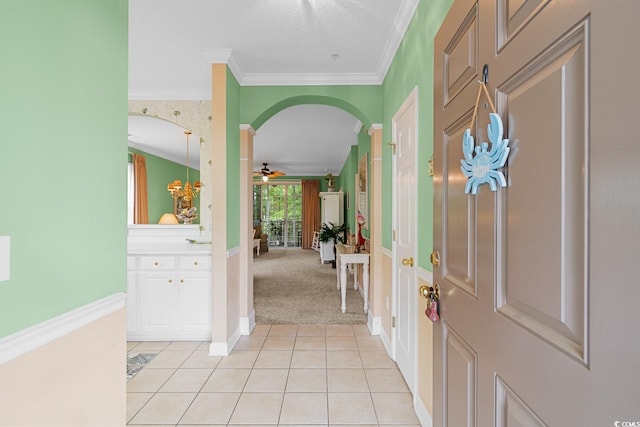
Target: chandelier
{"type": "Point", "coordinates": [188, 192]}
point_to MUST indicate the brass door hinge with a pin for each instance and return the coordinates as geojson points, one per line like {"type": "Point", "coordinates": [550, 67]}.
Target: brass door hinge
{"type": "Point", "coordinates": [393, 322]}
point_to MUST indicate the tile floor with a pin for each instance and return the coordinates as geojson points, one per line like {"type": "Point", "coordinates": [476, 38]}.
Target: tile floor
{"type": "Point", "coordinates": [287, 375]}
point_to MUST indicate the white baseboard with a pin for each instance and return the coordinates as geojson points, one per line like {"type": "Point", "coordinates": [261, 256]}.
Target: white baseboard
{"type": "Point", "coordinates": [29, 339]}
{"type": "Point", "coordinates": [248, 323]}
{"type": "Point", "coordinates": [224, 348]}
{"type": "Point", "coordinates": [421, 411]}
{"type": "Point", "coordinates": [218, 349]}
{"type": "Point", "coordinates": [374, 323]}
{"type": "Point", "coordinates": [386, 341]}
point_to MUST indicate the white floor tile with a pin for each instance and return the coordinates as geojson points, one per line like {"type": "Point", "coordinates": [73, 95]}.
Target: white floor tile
{"type": "Point", "coordinates": [304, 408]}
{"type": "Point", "coordinates": [267, 380]}
{"type": "Point", "coordinates": [211, 408]}
{"type": "Point", "coordinates": [257, 408]}
{"type": "Point", "coordinates": [186, 380]}
{"type": "Point", "coordinates": [164, 408]}
{"type": "Point", "coordinates": [149, 380]}
{"type": "Point", "coordinates": [351, 408]}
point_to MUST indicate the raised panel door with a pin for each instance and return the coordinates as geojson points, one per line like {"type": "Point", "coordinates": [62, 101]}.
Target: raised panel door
{"type": "Point", "coordinates": [158, 302]}
{"type": "Point", "coordinates": [195, 304]}
{"type": "Point", "coordinates": [538, 287]}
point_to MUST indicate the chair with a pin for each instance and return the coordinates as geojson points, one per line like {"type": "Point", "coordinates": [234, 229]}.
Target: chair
{"type": "Point", "coordinates": [256, 243]}
{"type": "Point", "coordinates": [315, 244]}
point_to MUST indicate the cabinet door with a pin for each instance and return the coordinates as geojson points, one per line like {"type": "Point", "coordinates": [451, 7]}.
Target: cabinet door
{"type": "Point", "coordinates": [195, 302]}
{"type": "Point", "coordinates": [158, 302]}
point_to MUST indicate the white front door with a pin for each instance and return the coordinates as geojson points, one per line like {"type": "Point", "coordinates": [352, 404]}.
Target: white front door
{"type": "Point", "coordinates": [539, 281]}
{"type": "Point", "coordinates": [405, 292]}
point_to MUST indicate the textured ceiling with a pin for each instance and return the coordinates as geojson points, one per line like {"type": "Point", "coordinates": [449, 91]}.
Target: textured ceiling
{"type": "Point", "coordinates": [268, 42]}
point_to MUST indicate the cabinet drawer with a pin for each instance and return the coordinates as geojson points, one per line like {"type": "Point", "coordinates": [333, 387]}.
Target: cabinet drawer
{"type": "Point", "coordinates": [195, 262]}
{"type": "Point", "coordinates": [131, 263]}
{"type": "Point", "coordinates": [157, 262]}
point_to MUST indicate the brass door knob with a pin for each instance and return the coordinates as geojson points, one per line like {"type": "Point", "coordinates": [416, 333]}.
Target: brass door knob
{"type": "Point", "coordinates": [435, 258]}
{"type": "Point", "coordinates": [430, 292]}
{"type": "Point", "coordinates": [407, 261]}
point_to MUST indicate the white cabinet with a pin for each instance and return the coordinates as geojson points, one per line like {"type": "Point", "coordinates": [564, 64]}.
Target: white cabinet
{"type": "Point", "coordinates": [331, 211]}
{"type": "Point", "coordinates": [169, 297]}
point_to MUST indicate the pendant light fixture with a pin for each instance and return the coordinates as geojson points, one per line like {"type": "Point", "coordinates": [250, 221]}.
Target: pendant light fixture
{"type": "Point", "coordinates": [188, 192]}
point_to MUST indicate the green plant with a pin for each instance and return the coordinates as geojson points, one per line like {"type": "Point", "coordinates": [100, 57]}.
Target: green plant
{"type": "Point", "coordinates": [333, 233]}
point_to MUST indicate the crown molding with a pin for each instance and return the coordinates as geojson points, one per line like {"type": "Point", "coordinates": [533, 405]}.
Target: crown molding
{"type": "Point", "coordinates": [308, 79]}
{"type": "Point", "coordinates": [407, 9]}
{"type": "Point", "coordinates": [225, 56]}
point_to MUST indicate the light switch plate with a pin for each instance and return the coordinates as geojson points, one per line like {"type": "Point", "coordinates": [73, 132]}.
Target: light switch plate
{"type": "Point", "coordinates": [5, 257]}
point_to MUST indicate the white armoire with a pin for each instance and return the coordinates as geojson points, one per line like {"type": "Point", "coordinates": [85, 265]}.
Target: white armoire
{"type": "Point", "coordinates": [331, 210]}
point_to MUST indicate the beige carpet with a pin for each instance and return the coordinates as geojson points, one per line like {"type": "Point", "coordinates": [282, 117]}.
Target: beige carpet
{"type": "Point", "coordinates": [292, 286]}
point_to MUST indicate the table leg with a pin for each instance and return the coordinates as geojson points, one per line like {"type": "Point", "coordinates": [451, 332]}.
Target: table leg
{"type": "Point", "coordinates": [338, 271]}
{"type": "Point", "coordinates": [365, 284]}
{"type": "Point", "coordinates": [343, 286]}
{"type": "Point", "coordinates": [355, 276]}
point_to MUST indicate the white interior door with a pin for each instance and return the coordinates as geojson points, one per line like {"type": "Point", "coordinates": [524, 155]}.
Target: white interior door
{"type": "Point", "coordinates": [405, 292]}
{"type": "Point", "coordinates": [537, 328]}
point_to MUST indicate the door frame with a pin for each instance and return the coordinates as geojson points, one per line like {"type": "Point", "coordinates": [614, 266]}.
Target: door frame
{"type": "Point", "coordinates": [411, 98]}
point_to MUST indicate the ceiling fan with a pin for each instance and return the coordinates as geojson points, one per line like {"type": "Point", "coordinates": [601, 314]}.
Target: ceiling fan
{"type": "Point", "coordinates": [266, 173]}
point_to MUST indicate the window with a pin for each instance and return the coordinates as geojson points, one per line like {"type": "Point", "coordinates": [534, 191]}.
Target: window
{"type": "Point", "coordinates": [278, 209]}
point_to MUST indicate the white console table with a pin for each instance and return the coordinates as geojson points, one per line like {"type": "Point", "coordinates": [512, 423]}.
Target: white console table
{"type": "Point", "coordinates": [345, 255]}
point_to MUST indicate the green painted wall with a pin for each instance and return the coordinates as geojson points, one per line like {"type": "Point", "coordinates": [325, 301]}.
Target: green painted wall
{"type": "Point", "coordinates": [64, 110]}
{"type": "Point", "coordinates": [413, 66]}
{"type": "Point", "coordinates": [159, 173]}
{"type": "Point", "coordinates": [233, 161]}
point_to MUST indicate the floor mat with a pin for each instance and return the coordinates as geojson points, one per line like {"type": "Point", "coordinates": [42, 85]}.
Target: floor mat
{"type": "Point", "coordinates": [135, 362]}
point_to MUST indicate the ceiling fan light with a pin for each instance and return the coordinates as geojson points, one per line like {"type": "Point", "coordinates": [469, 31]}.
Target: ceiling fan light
{"type": "Point", "coordinates": [265, 178]}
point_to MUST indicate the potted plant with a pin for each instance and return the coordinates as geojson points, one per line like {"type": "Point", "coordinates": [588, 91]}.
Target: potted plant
{"type": "Point", "coordinates": [333, 233]}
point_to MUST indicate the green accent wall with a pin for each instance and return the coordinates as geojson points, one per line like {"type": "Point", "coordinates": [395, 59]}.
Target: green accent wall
{"type": "Point", "coordinates": [233, 161]}
{"type": "Point", "coordinates": [413, 66]}
{"type": "Point", "coordinates": [159, 173]}
{"type": "Point", "coordinates": [64, 109]}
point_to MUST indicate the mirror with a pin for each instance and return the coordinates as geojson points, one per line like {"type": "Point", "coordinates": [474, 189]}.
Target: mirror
{"type": "Point", "coordinates": [164, 146]}
{"type": "Point", "coordinates": [362, 199]}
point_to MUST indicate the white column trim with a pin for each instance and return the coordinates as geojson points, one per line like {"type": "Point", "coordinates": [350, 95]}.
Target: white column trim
{"type": "Point", "coordinates": [248, 323]}
{"type": "Point", "coordinates": [22, 342]}
{"type": "Point", "coordinates": [224, 348]}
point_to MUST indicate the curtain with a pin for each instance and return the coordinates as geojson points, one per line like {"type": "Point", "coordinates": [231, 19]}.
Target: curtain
{"type": "Point", "coordinates": [310, 211]}
{"type": "Point", "coordinates": [140, 205]}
